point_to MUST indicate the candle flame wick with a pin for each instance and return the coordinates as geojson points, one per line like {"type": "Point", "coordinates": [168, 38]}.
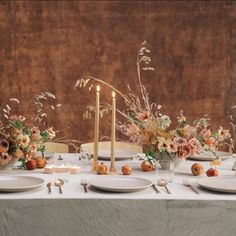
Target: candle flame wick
{"type": "Point", "coordinates": [113, 94]}
{"type": "Point", "coordinates": [98, 88]}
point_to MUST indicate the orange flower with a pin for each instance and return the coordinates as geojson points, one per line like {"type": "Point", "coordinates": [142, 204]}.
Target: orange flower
{"type": "Point", "coordinates": [51, 133]}
{"type": "Point", "coordinates": [35, 134]}
{"type": "Point", "coordinates": [209, 141]}
{"type": "Point", "coordinates": [144, 115]}
{"type": "Point", "coordinates": [25, 141]}
{"type": "Point", "coordinates": [4, 145]}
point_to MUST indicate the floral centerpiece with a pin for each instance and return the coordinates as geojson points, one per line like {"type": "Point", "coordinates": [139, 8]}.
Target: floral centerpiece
{"type": "Point", "coordinates": [20, 139]}
{"type": "Point", "coordinates": [147, 126]}
{"type": "Point", "coordinates": [210, 140]}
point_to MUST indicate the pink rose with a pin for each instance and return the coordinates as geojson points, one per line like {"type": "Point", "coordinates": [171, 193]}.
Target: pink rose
{"type": "Point", "coordinates": [184, 150]}
{"type": "Point", "coordinates": [180, 140]}
{"type": "Point", "coordinates": [195, 145]}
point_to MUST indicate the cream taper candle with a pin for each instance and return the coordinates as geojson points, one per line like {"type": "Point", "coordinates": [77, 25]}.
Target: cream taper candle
{"type": "Point", "coordinates": [113, 133]}
{"type": "Point", "coordinates": [96, 129]}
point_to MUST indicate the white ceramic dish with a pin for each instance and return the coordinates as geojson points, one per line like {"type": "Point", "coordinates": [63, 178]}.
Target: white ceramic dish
{"type": "Point", "coordinates": [120, 184]}
{"type": "Point", "coordinates": [123, 150]}
{"type": "Point", "coordinates": [47, 155]}
{"type": "Point", "coordinates": [10, 183]}
{"type": "Point", "coordinates": [120, 154]}
{"type": "Point", "coordinates": [209, 156]}
{"type": "Point", "coordinates": [225, 185]}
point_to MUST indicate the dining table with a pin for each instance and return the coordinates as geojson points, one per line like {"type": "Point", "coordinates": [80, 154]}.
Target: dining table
{"type": "Point", "coordinates": [96, 212]}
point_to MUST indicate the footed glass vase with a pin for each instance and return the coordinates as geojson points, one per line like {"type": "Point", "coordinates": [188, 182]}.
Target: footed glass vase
{"type": "Point", "coordinates": [169, 156]}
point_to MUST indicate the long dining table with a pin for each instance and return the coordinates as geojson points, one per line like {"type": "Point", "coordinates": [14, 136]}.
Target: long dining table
{"type": "Point", "coordinates": [74, 212]}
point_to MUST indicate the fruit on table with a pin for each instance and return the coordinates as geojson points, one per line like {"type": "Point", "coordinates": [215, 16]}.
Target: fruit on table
{"type": "Point", "coordinates": [197, 169]}
{"type": "Point", "coordinates": [212, 172]}
{"type": "Point", "coordinates": [40, 162]}
{"type": "Point", "coordinates": [101, 169]}
{"type": "Point", "coordinates": [126, 170]}
{"type": "Point", "coordinates": [216, 162]}
{"type": "Point", "coordinates": [147, 166]}
{"type": "Point", "coordinates": [31, 164]}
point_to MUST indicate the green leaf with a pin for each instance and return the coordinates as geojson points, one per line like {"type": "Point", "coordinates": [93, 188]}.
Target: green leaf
{"type": "Point", "coordinates": [22, 165]}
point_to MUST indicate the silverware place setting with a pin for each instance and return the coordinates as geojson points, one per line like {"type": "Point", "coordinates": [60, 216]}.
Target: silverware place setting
{"type": "Point", "coordinates": [49, 184]}
{"type": "Point", "coordinates": [84, 183]}
{"type": "Point", "coordinates": [59, 183]}
{"type": "Point", "coordinates": [189, 185]}
{"type": "Point", "coordinates": [155, 188]}
{"type": "Point", "coordinates": [163, 183]}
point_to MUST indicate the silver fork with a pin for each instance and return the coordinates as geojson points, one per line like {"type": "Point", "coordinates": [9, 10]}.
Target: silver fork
{"type": "Point", "coordinates": [84, 183]}
{"type": "Point", "coordinates": [163, 183]}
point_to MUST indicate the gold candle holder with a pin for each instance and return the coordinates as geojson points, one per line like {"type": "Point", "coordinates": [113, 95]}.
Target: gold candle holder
{"type": "Point", "coordinates": [113, 134]}
{"type": "Point", "coordinates": [96, 130]}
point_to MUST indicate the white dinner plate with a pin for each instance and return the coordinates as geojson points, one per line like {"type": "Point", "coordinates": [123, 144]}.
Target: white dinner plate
{"type": "Point", "coordinates": [120, 184]}
{"type": "Point", "coordinates": [209, 156]}
{"type": "Point", "coordinates": [123, 150]}
{"type": "Point", "coordinates": [10, 183]}
{"type": "Point", "coordinates": [47, 155]}
{"type": "Point", "coordinates": [218, 184]}
{"type": "Point", "coordinates": [120, 154]}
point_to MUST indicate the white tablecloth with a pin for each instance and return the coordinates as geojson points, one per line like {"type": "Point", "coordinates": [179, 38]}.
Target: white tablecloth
{"type": "Point", "coordinates": [98, 213]}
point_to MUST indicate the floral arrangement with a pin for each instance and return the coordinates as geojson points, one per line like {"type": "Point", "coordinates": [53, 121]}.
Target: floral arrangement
{"type": "Point", "coordinates": [210, 140]}
{"type": "Point", "coordinates": [151, 129]}
{"type": "Point", "coordinates": [20, 138]}
{"type": "Point", "coordinates": [232, 120]}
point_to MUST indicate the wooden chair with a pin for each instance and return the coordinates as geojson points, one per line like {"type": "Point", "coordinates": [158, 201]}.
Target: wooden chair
{"type": "Point", "coordinates": [56, 147]}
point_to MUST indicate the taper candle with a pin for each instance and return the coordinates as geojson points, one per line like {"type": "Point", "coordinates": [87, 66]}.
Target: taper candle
{"type": "Point", "coordinates": [96, 129]}
{"type": "Point", "coordinates": [113, 134]}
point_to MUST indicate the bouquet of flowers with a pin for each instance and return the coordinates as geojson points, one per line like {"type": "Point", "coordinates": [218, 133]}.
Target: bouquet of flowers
{"type": "Point", "coordinates": [20, 139]}
{"type": "Point", "coordinates": [151, 129]}
{"type": "Point", "coordinates": [210, 140]}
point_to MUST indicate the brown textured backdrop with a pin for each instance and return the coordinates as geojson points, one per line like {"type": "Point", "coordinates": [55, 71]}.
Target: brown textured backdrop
{"type": "Point", "coordinates": [48, 45]}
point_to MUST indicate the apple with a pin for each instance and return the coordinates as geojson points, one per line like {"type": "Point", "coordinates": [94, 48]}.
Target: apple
{"type": "Point", "coordinates": [212, 172]}
{"type": "Point", "coordinates": [40, 162]}
{"type": "Point", "coordinates": [147, 166]}
{"type": "Point", "coordinates": [31, 164]}
{"type": "Point", "coordinates": [197, 169]}
{"type": "Point", "coordinates": [101, 169]}
{"type": "Point", "coordinates": [126, 170]}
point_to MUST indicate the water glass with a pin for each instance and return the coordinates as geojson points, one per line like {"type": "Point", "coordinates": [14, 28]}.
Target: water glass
{"type": "Point", "coordinates": [165, 170]}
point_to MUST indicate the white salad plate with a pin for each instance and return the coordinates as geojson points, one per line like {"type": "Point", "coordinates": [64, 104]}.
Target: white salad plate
{"type": "Point", "coordinates": [10, 183]}
{"type": "Point", "coordinates": [209, 156]}
{"type": "Point", "coordinates": [120, 184]}
{"type": "Point", "coordinates": [224, 184]}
